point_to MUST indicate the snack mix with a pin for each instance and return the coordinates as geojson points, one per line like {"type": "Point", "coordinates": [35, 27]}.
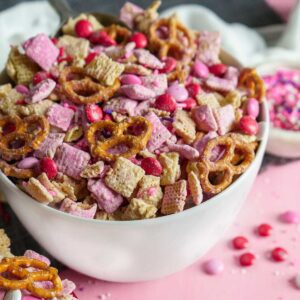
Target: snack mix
{"type": "Point", "coordinates": [127, 122]}
{"type": "Point", "coordinates": [30, 277]}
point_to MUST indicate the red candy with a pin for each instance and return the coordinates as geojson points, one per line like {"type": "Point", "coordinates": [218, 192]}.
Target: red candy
{"type": "Point", "coordinates": [48, 166]}
{"type": "Point", "coordinates": [107, 118]}
{"type": "Point", "coordinates": [83, 28]}
{"type": "Point", "coordinates": [40, 76]}
{"type": "Point", "coordinates": [193, 89]}
{"type": "Point", "coordinates": [264, 230]}
{"type": "Point", "coordinates": [94, 113]}
{"type": "Point", "coordinates": [102, 38]}
{"type": "Point", "coordinates": [248, 125]}
{"type": "Point", "coordinates": [247, 259]}
{"type": "Point", "coordinates": [151, 166]}
{"type": "Point", "coordinates": [240, 242]}
{"type": "Point", "coordinates": [170, 65]}
{"type": "Point", "coordinates": [218, 69]}
{"type": "Point", "coordinates": [139, 39]}
{"type": "Point", "coordinates": [279, 254]}
{"type": "Point", "coordinates": [165, 102]}
{"type": "Point", "coordinates": [90, 57]}
{"type": "Point", "coordinates": [189, 103]}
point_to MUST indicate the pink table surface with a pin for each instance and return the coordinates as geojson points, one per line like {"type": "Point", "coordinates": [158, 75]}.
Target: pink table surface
{"type": "Point", "coordinates": [275, 191]}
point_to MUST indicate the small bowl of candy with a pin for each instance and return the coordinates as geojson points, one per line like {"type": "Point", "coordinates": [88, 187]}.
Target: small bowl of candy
{"type": "Point", "coordinates": [127, 153]}
{"type": "Point", "coordinates": [282, 81]}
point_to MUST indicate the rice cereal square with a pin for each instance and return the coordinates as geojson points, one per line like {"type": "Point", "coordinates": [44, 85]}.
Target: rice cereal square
{"type": "Point", "coordinates": [171, 168]}
{"type": "Point", "coordinates": [124, 177]}
{"type": "Point", "coordinates": [185, 126]}
{"type": "Point", "coordinates": [174, 198]}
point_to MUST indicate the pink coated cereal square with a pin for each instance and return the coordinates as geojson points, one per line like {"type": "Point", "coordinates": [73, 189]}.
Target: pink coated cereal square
{"type": "Point", "coordinates": [147, 59]}
{"type": "Point", "coordinates": [157, 83]}
{"type": "Point", "coordinates": [174, 198]}
{"type": "Point", "coordinates": [204, 118]}
{"type": "Point", "coordinates": [41, 91]}
{"type": "Point", "coordinates": [49, 145]}
{"type": "Point", "coordinates": [160, 133]}
{"type": "Point", "coordinates": [60, 116]}
{"type": "Point", "coordinates": [71, 161]}
{"type": "Point", "coordinates": [35, 255]}
{"type": "Point", "coordinates": [121, 105]}
{"type": "Point", "coordinates": [225, 118]}
{"type": "Point", "coordinates": [42, 51]}
{"type": "Point", "coordinates": [106, 198]}
{"type": "Point", "coordinates": [79, 209]}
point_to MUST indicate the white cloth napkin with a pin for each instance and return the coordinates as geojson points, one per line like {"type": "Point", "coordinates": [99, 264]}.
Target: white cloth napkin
{"type": "Point", "coordinates": [23, 21]}
{"type": "Point", "coordinates": [248, 46]}
{"type": "Point", "coordinates": [244, 43]}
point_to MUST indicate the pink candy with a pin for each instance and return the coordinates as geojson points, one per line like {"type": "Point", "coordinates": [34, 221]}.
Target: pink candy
{"type": "Point", "coordinates": [22, 89]}
{"type": "Point", "coordinates": [213, 267]}
{"type": "Point", "coordinates": [200, 70]}
{"type": "Point", "coordinates": [28, 163]}
{"type": "Point", "coordinates": [252, 108]}
{"type": "Point", "coordinates": [130, 79]}
{"type": "Point", "coordinates": [178, 92]}
{"type": "Point", "coordinates": [290, 217]}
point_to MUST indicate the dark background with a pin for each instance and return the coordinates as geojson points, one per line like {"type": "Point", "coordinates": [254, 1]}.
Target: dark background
{"type": "Point", "coordinates": [254, 13]}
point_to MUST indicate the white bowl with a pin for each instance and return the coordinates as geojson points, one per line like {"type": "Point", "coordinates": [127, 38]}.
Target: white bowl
{"type": "Point", "coordinates": [128, 251]}
{"type": "Point", "coordinates": [284, 143]}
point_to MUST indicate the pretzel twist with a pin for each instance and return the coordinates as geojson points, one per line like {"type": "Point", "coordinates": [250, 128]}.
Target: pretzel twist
{"type": "Point", "coordinates": [121, 135]}
{"type": "Point", "coordinates": [171, 45]}
{"type": "Point", "coordinates": [14, 274]}
{"type": "Point", "coordinates": [28, 133]}
{"type": "Point", "coordinates": [215, 176]}
{"type": "Point", "coordinates": [250, 80]}
{"type": "Point", "coordinates": [82, 89]}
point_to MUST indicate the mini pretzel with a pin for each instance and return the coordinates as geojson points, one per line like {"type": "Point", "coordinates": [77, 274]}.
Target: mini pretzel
{"type": "Point", "coordinates": [250, 80]}
{"type": "Point", "coordinates": [118, 33]}
{"type": "Point", "coordinates": [120, 134]}
{"type": "Point", "coordinates": [215, 176]}
{"type": "Point", "coordinates": [14, 275]}
{"type": "Point", "coordinates": [83, 89]}
{"type": "Point", "coordinates": [171, 46]}
{"type": "Point", "coordinates": [30, 132]}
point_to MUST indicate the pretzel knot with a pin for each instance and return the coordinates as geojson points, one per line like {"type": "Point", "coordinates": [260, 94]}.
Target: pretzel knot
{"type": "Point", "coordinates": [82, 89]}
{"type": "Point", "coordinates": [19, 136]}
{"type": "Point", "coordinates": [215, 176]}
{"type": "Point", "coordinates": [118, 33]}
{"type": "Point", "coordinates": [109, 140]}
{"type": "Point", "coordinates": [14, 275]}
{"type": "Point", "coordinates": [169, 37]}
{"type": "Point", "coordinates": [250, 80]}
